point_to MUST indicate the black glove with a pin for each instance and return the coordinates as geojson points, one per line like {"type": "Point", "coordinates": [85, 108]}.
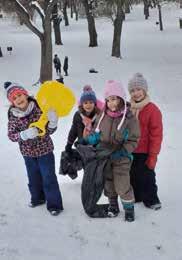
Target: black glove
{"type": "Point", "coordinates": [68, 148]}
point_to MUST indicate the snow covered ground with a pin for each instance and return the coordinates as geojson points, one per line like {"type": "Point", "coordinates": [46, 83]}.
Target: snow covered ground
{"type": "Point", "coordinates": [32, 233]}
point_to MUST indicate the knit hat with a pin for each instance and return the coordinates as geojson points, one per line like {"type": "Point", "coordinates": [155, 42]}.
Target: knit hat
{"type": "Point", "coordinates": [88, 94]}
{"type": "Point", "coordinates": [138, 81]}
{"type": "Point", "coordinates": [114, 88]}
{"type": "Point", "coordinates": [13, 89]}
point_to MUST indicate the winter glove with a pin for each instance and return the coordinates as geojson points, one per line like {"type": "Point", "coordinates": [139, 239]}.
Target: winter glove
{"type": "Point", "coordinates": [68, 149]}
{"type": "Point", "coordinates": [29, 133]}
{"type": "Point", "coordinates": [151, 161]}
{"type": "Point", "coordinates": [53, 119]}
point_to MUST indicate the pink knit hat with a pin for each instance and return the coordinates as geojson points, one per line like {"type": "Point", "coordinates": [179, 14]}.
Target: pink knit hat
{"type": "Point", "coordinates": [114, 88]}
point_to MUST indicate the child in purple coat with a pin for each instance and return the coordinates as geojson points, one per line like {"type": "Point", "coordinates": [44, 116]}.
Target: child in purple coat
{"type": "Point", "coordinates": [37, 151]}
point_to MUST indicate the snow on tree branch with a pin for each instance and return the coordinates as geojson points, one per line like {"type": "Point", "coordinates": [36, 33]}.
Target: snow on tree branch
{"type": "Point", "coordinates": [38, 8]}
{"type": "Point", "coordinates": [24, 15]}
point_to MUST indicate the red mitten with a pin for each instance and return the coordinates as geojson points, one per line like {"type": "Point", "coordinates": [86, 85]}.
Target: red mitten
{"type": "Point", "coordinates": [151, 161]}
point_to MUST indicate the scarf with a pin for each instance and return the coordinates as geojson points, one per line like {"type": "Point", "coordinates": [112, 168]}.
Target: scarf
{"type": "Point", "coordinates": [19, 113]}
{"type": "Point", "coordinates": [87, 125]}
{"type": "Point", "coordinates": [114, 114]}
{"type": "Point", "coordinates": [137, 107]}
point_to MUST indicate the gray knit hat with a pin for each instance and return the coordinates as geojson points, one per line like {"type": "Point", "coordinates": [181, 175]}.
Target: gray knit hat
{"type": "Point", "coordinates": [137, 81]}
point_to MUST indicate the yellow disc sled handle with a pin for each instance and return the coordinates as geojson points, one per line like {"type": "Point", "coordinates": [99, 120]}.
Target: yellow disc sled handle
{"type": "Point", "coordinates": [41, 124]}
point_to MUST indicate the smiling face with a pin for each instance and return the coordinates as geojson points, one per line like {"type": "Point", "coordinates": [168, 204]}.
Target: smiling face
{"type": "Point", "coordinates": [113, 103]}
{"type": "Point", "coordinates": [20, 101]}
{"type": "Point", "coordinates": [88, 106]}
{"type": "Point", "coordinates": [138, 94]}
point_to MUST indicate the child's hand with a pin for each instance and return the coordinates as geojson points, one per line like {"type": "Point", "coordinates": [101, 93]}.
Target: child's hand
{"type": "Point", "coordinates": [29, 133]}
{"type": "Point", "coordinates": [53, 119]}
{"type": "Point", "coordinates": [151, 161]}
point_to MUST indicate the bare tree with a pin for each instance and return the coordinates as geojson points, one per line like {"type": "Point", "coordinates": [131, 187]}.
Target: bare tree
{"type": "Point", "coordinates": [146, 9]}
{"type": "Point", "coordinates": [65, 5]}
{"type": "Point", "coordinates": [117, 15]}
{"type": "Point", "coordinates": [56, 25]}
{"type": "Point", "coordinates": [44, 35]}
{"type": "Point", "coordinates": [160, 16]}
{"type": "Point", "coordinates": [1, 54]}
{"type": "Point", "coordinates": [89, 10]}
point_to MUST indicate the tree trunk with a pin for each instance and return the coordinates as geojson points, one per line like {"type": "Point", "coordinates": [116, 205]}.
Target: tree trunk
{"type": "Point", "coordinates": [46, 54]}
{"type": "Point", "coordinates": [146, 9]}
{"type": "Point", "coordinates": [57, 32]}
{"type": "Point", "coordinates": [91, 25]}
{"type": "Point", "coordinates": [76, 10]}
{"type": "Point", "coordinates": [56, 26]}
{"type": "Point", "coordinates": [180, 23]}
{"type": "Point", "coordinates": [1, 54]}
{"type": "Point", "coordinates": [118, 22]}
{"type": "Point", "coordinates": [71, 7]}
{"type": "Point", "coordinates": [65, 13]}
{"type": "Point", "coordinates": [160, 17]}
{"type": "Point", "coordinates": [180, 3]}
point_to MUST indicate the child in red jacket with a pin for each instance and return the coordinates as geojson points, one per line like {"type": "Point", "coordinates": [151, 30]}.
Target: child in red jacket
{"type": "Point", "coordinates": [145, 155]}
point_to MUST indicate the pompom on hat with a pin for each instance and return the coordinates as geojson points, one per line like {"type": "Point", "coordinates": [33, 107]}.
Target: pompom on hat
{"type": "Point", "coordinates": [138, 81]}
{"type": "Point", "coordinates": [88, 94]}
{"type": "Point", "coordinates": [13, 89]}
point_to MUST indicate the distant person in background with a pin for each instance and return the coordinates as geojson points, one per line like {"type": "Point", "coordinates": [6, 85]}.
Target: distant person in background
{"type": "Point", "coordinates": [65, 67]}
{"type": "Point", "coordinates": [57, 64]}
{"type": "Point", "coordinates": [145, 155]}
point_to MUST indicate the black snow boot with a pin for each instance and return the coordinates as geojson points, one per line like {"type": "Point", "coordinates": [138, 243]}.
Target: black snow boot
{"type": "Point", "coordinates": [113, 209]}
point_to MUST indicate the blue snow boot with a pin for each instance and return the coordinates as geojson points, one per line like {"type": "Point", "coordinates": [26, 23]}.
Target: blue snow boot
{"type": "Point", "coordinates": [129, 211]}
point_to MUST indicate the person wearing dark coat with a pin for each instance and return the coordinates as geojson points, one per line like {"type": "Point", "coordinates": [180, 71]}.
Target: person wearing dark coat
{"type": "Point", "coordinates": [57, 64]}
{"type": "Point", "coordinates": [65, 66]}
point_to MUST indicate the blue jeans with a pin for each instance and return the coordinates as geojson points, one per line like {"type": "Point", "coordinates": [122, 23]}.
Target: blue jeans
{"type": "Point", "coordinates": [43, 184]}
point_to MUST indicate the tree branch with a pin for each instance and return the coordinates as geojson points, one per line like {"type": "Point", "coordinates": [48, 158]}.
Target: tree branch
{"type": "Point", "coordinates": [39, 10]}
{"type": "Point", "coordinates": [24, 15]}
{"type": "Point", "coordinates": [50, 6]}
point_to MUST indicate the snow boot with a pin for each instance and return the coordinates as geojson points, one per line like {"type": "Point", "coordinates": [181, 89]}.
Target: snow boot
{"type": "Point", "coordinates": [33, 204]}
{"type": "Point", "coordinates": [155, 206]}
{"type": "Point", "coordinates": [55, 212]}
{"type": "Point", "coordinates": [129, 211]}
{"type": "Point", "coordinates": [113, 209]}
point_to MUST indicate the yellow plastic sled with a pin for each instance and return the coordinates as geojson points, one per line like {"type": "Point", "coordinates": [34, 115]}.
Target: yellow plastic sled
{"type": "Point", "coordinates": [56, 96]}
